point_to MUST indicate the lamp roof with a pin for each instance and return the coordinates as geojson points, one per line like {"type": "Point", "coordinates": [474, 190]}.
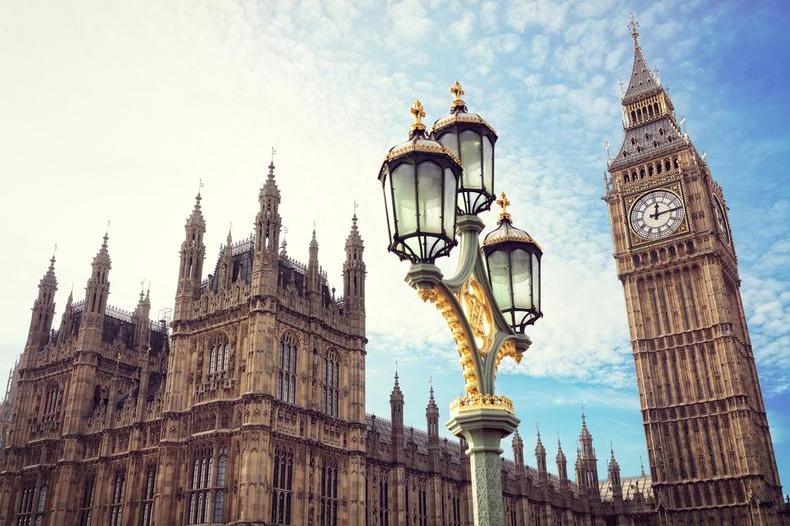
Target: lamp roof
{"type": "Point", "coordinates": [505, 231]}
{"type": "Point", "coordinates": [459, 113]}
{"type": "Point", "coordinates": [418, 141]}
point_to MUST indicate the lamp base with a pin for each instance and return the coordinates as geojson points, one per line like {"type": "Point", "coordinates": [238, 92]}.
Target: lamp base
{"type": "Point", "coordinates": [484, 429]}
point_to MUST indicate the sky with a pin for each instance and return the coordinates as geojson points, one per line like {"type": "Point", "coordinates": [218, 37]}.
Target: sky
{"type": "Point", "coordinates": [115, 111]}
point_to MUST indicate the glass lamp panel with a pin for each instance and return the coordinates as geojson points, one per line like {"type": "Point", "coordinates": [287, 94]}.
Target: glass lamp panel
{"type": "Point", "coordinates": [488, 164]}
{"type": "Point", "coordinates": [405, 202]}
{"type": "Point", "coordinates": [430, 197]}
{"type": "Point", "coordinates": [387, 190]}
{"type": "Point", "coordinates": [450, 189]}
{"type": "Point", "coordinates": [450, 141]}
{"type": "Point", "coordinates": [499, 272]}
{"type": "Point", "coordinates": [536, 282]}
{"type": "Point", "coordinates": [522, 278]}
{"type": "Point", "coordinates": [470, 159]}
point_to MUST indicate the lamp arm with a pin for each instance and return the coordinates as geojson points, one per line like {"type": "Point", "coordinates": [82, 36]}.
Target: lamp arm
{"type": "Point", "coordinates": [468, 229]}
{"type": "Point", "coordinates": [427, 280]}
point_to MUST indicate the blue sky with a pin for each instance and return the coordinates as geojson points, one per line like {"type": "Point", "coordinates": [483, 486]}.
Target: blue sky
{"type": "Point", "coordinates": [117, 110]}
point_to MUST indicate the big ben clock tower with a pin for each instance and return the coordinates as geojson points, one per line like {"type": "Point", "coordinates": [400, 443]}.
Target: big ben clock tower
{"type": "Point", "coordinates": [711, 456]}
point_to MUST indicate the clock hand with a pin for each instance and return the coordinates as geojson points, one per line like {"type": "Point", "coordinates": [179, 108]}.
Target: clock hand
{"type": "Point", "coordinates": [655, 213]}
{"type": "Point", "coordinates": [666, 211]}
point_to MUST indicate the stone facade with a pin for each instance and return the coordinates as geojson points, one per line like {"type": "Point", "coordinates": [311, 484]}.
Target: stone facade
{"type": "Point", "coordinates": [711, 456]}
{"type": "Point", "coordinates": [249, 408]}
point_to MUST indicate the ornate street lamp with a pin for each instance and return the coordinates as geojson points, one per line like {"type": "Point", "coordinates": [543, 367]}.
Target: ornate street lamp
{"type": "Point", "coordinates": [513, 259]}
{"type": "Point", "coordinates": [472, 139]}
{"type": "Point", "coordinates": [485, 331]}
{"type": "Point", "coordinates": [420, 180]}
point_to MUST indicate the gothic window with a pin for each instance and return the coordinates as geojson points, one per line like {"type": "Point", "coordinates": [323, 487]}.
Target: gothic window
{"type": "Point", "coordinates": [25, 512]}
{"type": "Point", "coordinates": [331, 384]}
{"type": "Point", "coordinates": [41, 507]}
{"type": "Point", "coordinates": [219, 490]}
{"type": "Point", "coordinates": [207, 486]}
{"type": "Point", "coordinates": [422, 504]}
{"type": "Point", "coordinates": [52, 401]}
{"type": "Point", "coordinates": [286, 369]}
{"type": "Point", "coordinates": [328, 511]}
{"type": "Point", "coordinates": [219, 360]}
{"type": "Point", "coordinates": [455, 506]}
{"type": "Point", "coordinates": [86, 504]}
{"type": "Point", "coordinates": [281, 494]}
{"type": "Point", "coordinates": [148, 497]}
{"type": "Point", "coordinates": [384, 512]}
{"type": "Point", "coordinates": [116, 504]}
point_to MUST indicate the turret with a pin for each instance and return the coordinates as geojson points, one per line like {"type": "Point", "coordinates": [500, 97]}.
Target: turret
{"type": "Point", "coordinates": [614, 476]}
{"type": "Point", "coordinates": [226, 269]}
{"type": "Point", "coordinates": [142, 345]}
{"type": "Point", "coordinates": [396, 415]}
{"type": "Point", "coordinates": [518, 452]}
{"type": "Point", "coordinates": [267, 237]}
{"type": "Point", "coordinates": [562, 464]}
{"type": "Point", "coordinates": [354, 276]}
{"type": "Point", "coordinates": [43, 309]}
{"type": "Point", "coordinates": [193, 252]}
{"type": "Point", "coordinates": [432, 418]}
{"type": "Point", "coordinates": [97, 291]}
{"type": "Point", "coordinates": [589, 463]}
{"type": "Point", "coordinates": [313, 269]}
{"type": "Point", "coordinates": [540, 459]}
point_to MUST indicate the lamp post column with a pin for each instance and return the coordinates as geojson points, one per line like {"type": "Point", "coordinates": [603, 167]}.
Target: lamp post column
{"type": "Point", "coordinates": [483, 430]}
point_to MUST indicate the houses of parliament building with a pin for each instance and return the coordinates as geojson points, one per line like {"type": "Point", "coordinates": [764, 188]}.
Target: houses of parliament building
{"type": "Point", "coordinates": [249, 407]}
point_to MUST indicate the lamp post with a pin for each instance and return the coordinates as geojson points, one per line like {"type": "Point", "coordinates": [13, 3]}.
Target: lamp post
{"type": "Point", "coordinates": [434, 188]}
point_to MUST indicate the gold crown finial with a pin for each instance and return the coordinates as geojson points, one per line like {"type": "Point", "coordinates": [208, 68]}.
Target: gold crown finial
{"type": "Point", "coordinates": [503, 202]}
{"type": "Point", "coordinates": [458, 91]}
{"type": "Point", "coordinates": [418, 111]}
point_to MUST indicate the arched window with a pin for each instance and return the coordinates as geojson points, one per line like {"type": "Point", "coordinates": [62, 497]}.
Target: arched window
{"type": "Point", "coordinates": [219, 360]}
{"type": "Point", "coordinates": [422, 504]}
{"type": "Point", "coordinates": [116, 504]}
{"type": "Point", "coordinates": [286, 368]}
{"type": "Point", "coordinates": [219, 484]}
{"type": "Point", "coordinates": [328, 502]}
{"type": "Point", "coordinates": [207, 492]}
{"type": "Point", "coordinates": [86, 504]}
{"type": "Point", "coordinates": [384, 500]}
{"type": "Point", "coordinates": [148, 497]}
{"type": "Point", "coordinates": [42, 505]}
{"type": "Point", "coordinates": [331, 384]}
{"type": "Point", "coordinates": [281, 493]}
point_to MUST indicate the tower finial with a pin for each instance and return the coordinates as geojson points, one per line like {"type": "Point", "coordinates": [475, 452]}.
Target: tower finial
{"type": "Point", "coordinates": [634, 26]}
{"type": "Point", "coordinates": [458, 103]}
{"type": "Point", "coordinates": [503, 202]}
{"type": "Point", "coordinates": [418, 112]}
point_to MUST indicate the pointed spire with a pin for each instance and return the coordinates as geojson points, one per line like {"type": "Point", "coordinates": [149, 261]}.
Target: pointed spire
{"type": "Point", "coordinates": [641, 466]}
{"type": "Point", "coordinates": [269, 188]}
{"type": "Point", "coordinates": [612, 461]}
{"type": "Point", "coordinates": [102, 259]}
{"type": "Point", "coordinates": [49, 281]}
{"type": "Point", "coordinates": [431, 400]}
{"type": "Point", "coordinates": [642, 78]}
{"type": "Point", "coordinates": [196, 217]}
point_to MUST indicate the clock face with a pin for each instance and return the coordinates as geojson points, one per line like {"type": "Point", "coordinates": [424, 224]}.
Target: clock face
{"type": "Point", "coordinates": [657, 214]}
{"type": "Point", "coordinates": [721, 220]}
